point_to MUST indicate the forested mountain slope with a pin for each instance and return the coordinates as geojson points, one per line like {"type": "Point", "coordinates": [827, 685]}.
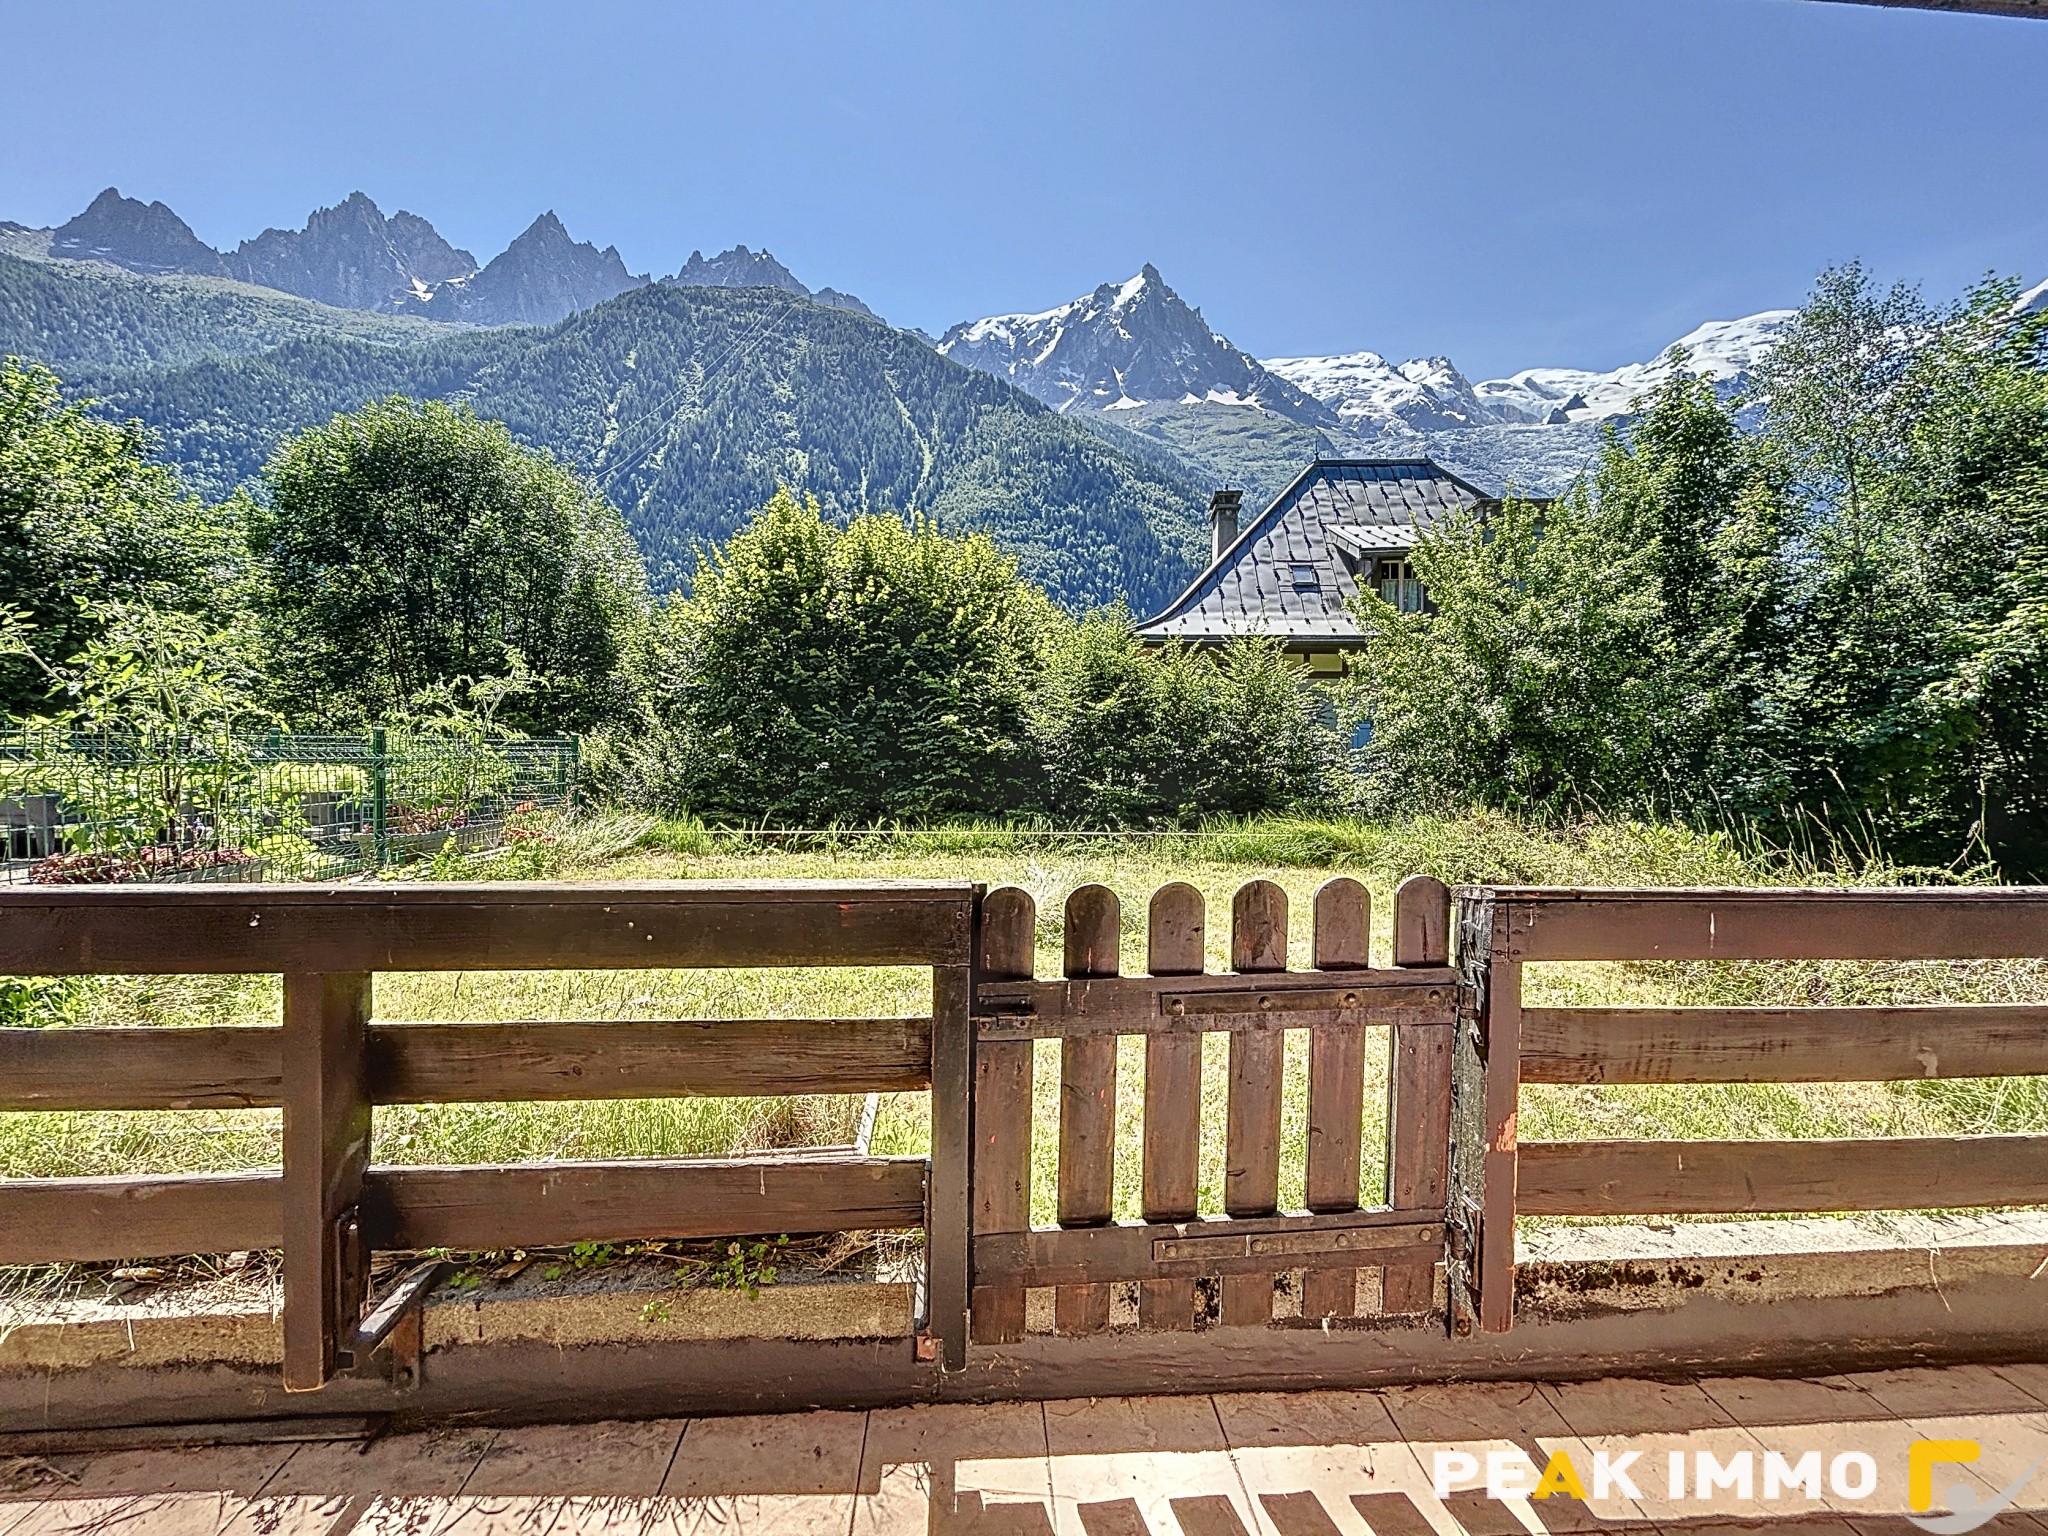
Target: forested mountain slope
{"type": "Point", "coordinates": [89, 314]}
{"type": "Point", "coordinates": [690, 406]}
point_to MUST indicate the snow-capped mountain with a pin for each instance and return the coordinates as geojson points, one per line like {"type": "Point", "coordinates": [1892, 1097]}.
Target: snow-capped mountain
{"type": "Point", "coordinates": [1429, 394]}
{"type": "Point", "coordinates": [1124, 345]}
{"type": "Point", "coordinates": [1726, 351]}
{"type": "Point", "coordinates": [1365, 390]}
{"type": "Point", "coordinates": [2033, 301]}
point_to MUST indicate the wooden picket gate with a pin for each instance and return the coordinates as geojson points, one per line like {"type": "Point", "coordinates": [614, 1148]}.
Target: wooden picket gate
{"type": "Point", "coordinates": [1343, 1230]}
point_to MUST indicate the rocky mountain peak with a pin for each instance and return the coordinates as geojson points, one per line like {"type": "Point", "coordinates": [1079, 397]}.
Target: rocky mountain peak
{"type": "Point", "coordinates": [543, 276]}
{"type": "Point", "coordinates": [1121, 346]}
{"type": "Point", "coordinates": [143, 237]}
{"type": "Point", "coordinates": [352, 257]}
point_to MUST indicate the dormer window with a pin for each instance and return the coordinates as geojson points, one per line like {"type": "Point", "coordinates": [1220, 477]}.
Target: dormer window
{"type": "Point", "coordinates": [1305, 578]}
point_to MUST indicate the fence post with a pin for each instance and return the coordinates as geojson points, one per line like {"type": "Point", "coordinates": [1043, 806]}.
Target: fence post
{"type": "Point", "coordinates": [948, 1191]}
{"type": "Point", "coordinates": [1418, 1089]}
{"type": "Point", "coordinates": [1251, 1176]}
{"type": "Point", "coordinates": [1336, 1089]}
{"type": "Point", "coordinates": [1093, 945]}
{"type": "Point", "coordinates": [326, 1149]}
{"type": "Point", "coordinates": [572, 772]}
{"type": "Point", "coordinates": [379, 797]}
{"type": "Point", "coordinates": [1485, 1083]}
{"type": "Point", "coordinates": [1006, 928]}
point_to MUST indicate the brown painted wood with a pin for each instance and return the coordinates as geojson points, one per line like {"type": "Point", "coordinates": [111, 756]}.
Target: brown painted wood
{"type": "Point", "coordinates": [1655, 1178]}
{"type": "Point", "coordinates": [535, 1381]}
{"type": "Point", "coordinates": [1783, 1045]}
{"type": "Point", "coordinates": [1002, 1113]}
{"type": "Point", "coordinates": [1173, 1100]}
{"type": "Point", "coordinates": [948, 1215]}
{"type": "Point", "coordinates": [433, 1063]}
{"type": "Point", "coordinates": [326, 1149]}
{"type": "Point", "coordinates": [645, 1059]}
{"type": "Point", "coordinates": [155, 1437]}
{"type": "Point", "coordinates": [1336, 1087]}
{"type": "Point", "coordinates": [1905, 924]}
{"type": "Point", "coordinates": [1213, 1246]}
{"type": "Point", "coordinates": [1258, 927]}
{"type": "Point", "coordinates": [65, 1221]}
{"type": "Point", "coordinates": [1343, 925]}
{"type": "Point", "coordinates": [1466, 1198]}
{"type": "Point", "coordinates": [1094, 930]}
{"type": "Point", "coordinates": [1422, 922]}
{"type": "Point", "coordinates": [1418, 1088]}
{"type": "Point", "coordinates": [192, 929]}
{"type": "Point", "coordinates": [1251, 1175]}
{"type": "Point", "coordinates": [1137, 1005]}
{"type": "Point", "coordinates": [540, 1204]}
{"type": "Point", "coordinates": [139, 1068]}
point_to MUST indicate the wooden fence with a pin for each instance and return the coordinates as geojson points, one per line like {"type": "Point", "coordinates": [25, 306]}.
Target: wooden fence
{"type": "Point", "coordinates": [1496, 1177]}
{"type": "Point", "coordinates": [1460, 1046]}
{"type": "Point", "coordinates": [328, 1064]}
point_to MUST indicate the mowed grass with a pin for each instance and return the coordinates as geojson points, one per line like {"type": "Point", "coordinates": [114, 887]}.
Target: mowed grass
{"type": "Point", "coordinates": [1296, 855]}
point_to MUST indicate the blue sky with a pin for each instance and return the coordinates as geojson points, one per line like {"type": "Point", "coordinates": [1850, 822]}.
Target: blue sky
{"type": "Point", "coordinates": [1509, 182]}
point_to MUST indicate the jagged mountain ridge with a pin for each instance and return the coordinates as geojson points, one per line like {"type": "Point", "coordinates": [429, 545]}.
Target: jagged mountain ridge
{"type": "Point", "coordinates": [351, 256]}
{"type": "Point", "coordinates": [543, 276]}
{"type": "Point", "coordinates": [1124, 345]}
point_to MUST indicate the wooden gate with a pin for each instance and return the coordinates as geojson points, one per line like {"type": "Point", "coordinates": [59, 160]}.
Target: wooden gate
{"type": "Point", "coordinates": [1185, 1260]}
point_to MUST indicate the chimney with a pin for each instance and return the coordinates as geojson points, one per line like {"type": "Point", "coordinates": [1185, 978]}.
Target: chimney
{"type": "Point", "coordinates": [1223, 507]}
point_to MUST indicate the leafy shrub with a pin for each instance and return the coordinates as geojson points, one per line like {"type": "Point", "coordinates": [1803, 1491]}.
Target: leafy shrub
{"type": "Point", "coordinates": [819, 676]}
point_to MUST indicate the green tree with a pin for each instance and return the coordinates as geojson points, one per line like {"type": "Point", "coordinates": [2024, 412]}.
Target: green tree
{"type": "Point", "coordinates": [826, 675]}
{"type": "Point", "coordinates": [406, 545]}
{"type": "Point", "coordinates": [1829, 628]}
{"type": "Point", "coordinates": [1912, 437]}
{"type": "Point", "coordinates": [90, 527]}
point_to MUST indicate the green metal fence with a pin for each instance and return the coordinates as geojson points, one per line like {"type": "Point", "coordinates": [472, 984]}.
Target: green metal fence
{"type": "Point", "coordinates": [78, 806]}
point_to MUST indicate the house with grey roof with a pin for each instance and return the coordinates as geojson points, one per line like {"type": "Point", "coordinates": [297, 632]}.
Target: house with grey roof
{"type": "Point", "coordinates": [1290, 571]}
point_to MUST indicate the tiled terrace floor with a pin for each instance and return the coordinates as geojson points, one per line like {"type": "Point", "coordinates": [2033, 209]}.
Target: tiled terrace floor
{"type": "Point", "coordinates": [1303, 1464]}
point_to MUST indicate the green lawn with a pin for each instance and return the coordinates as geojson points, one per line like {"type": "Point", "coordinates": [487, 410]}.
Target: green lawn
{"type": "Point", "coordinates": [1296, 855]}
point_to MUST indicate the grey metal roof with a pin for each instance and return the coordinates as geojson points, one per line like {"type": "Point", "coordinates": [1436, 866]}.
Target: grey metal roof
{"type": "Point", "coordinates": [1374, 504]}
{"type": "Point", "coordinates": [1370, 538]}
